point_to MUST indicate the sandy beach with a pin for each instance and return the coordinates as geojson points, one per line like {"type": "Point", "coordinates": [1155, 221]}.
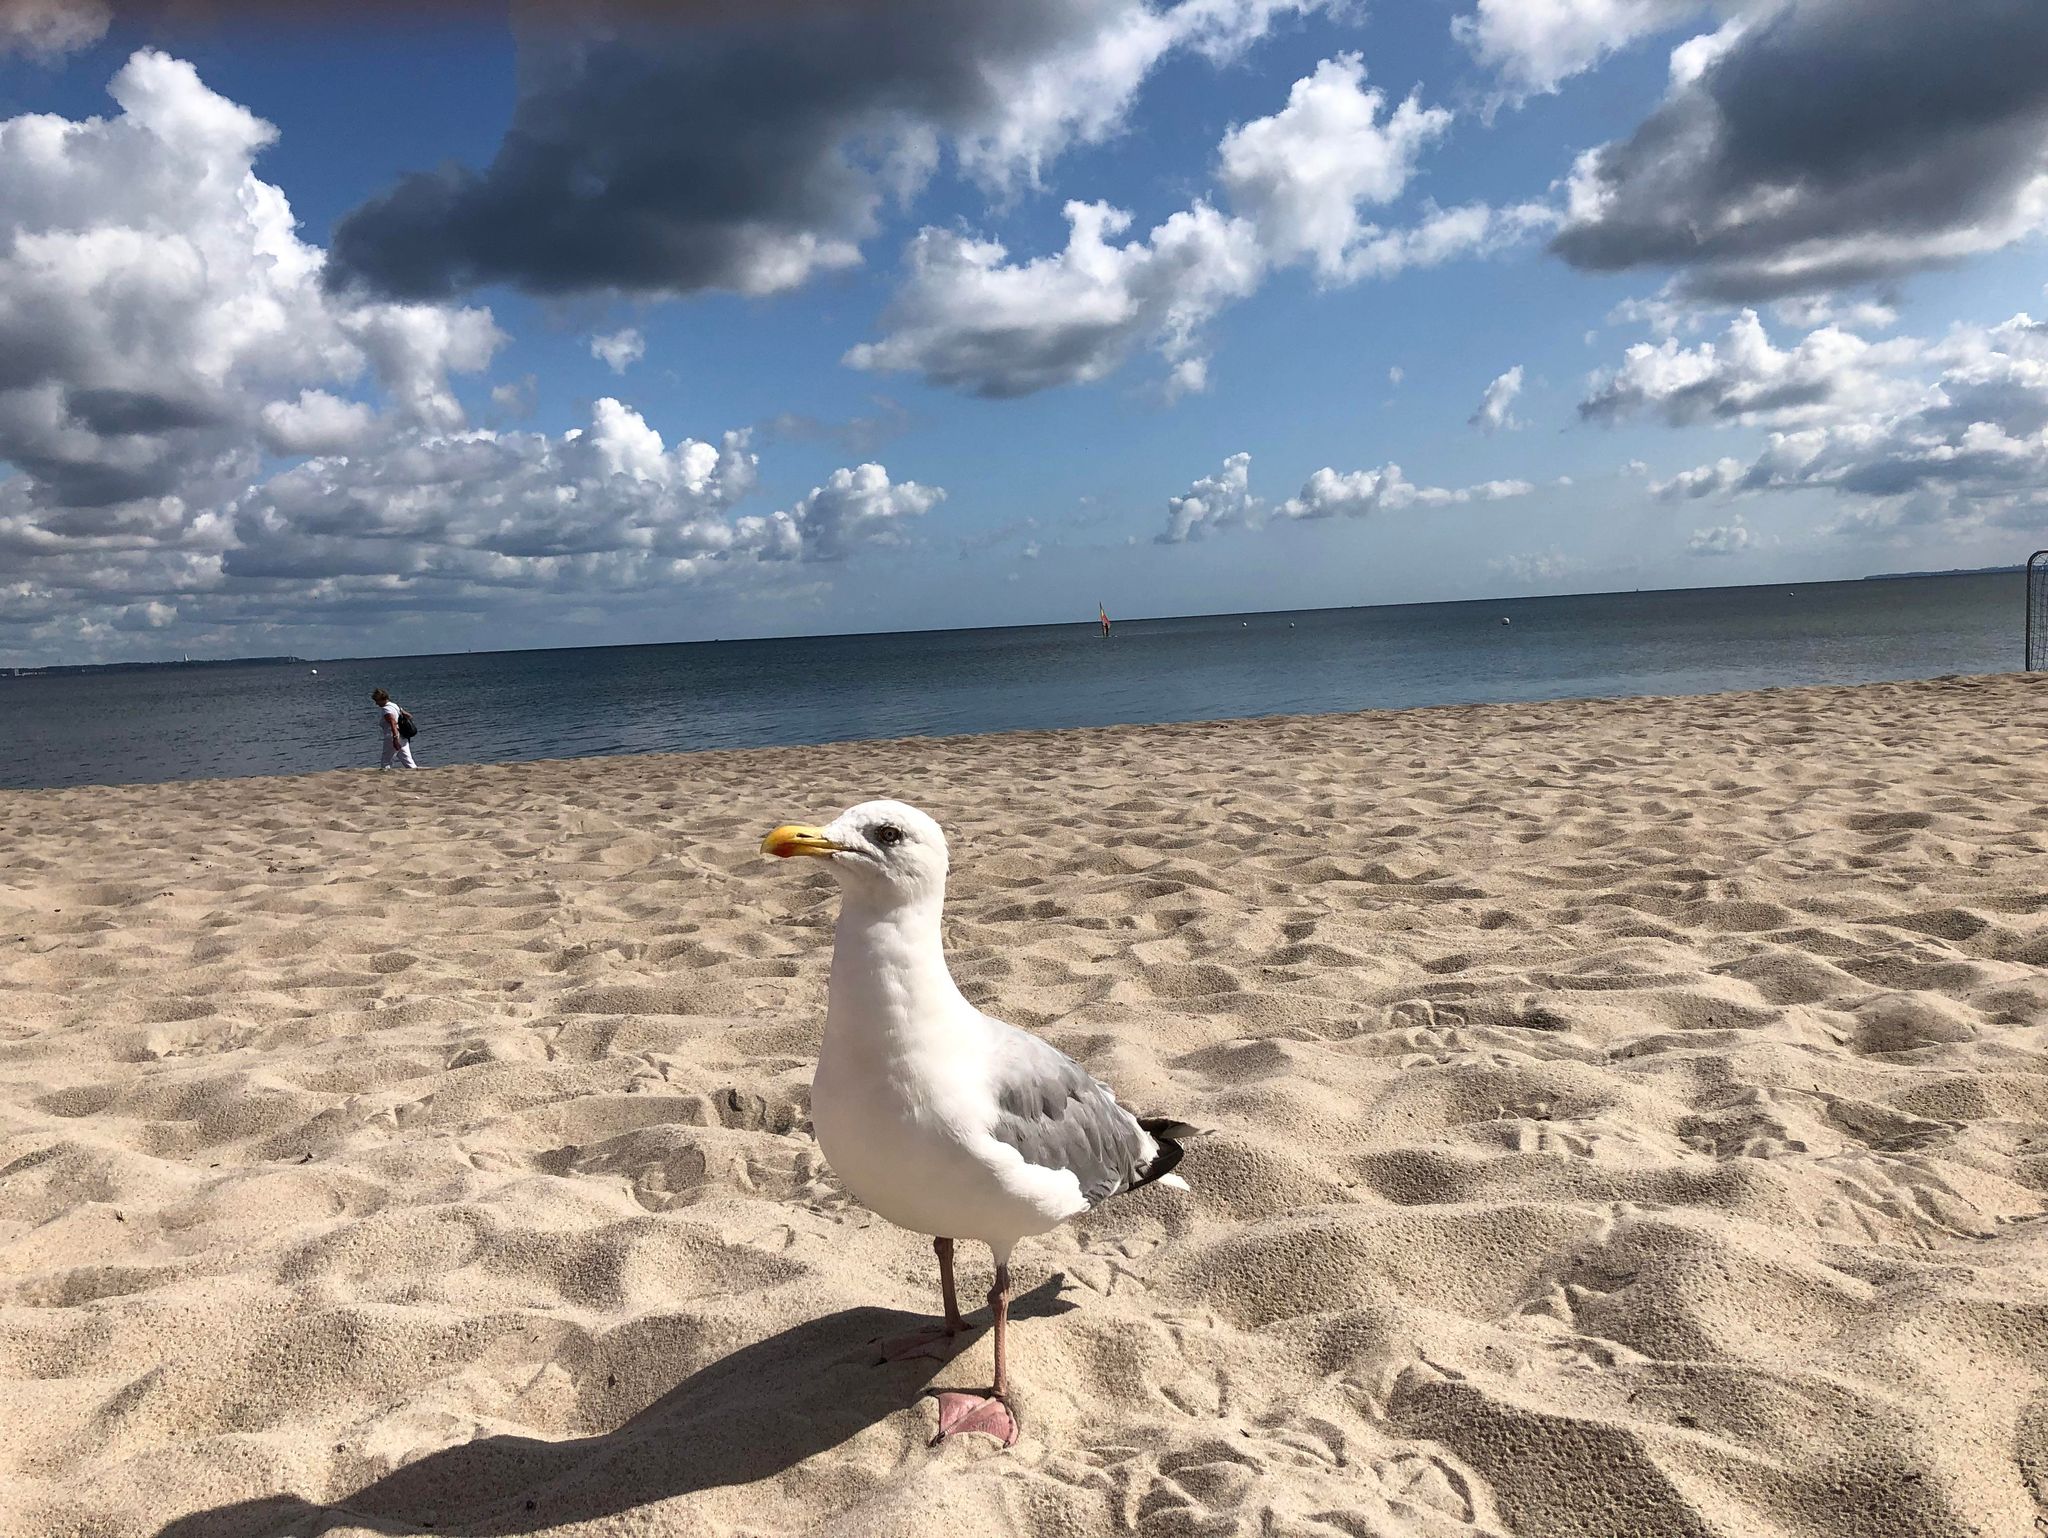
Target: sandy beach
{"type": "Point", "coordinates": [1626, 1118]}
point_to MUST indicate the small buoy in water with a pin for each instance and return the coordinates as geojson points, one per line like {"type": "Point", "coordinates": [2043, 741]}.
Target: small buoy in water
{"type": "Point", "coordinates": [1290, 624]}
{"type": "Point", "coordinates": [1505, 620]}
{"type": "Point", "coordinates": [1244, 624]}
{"type": "Point", "coordinates": [316, 672]}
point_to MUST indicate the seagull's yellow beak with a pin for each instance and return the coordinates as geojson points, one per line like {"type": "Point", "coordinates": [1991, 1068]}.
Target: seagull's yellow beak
{"type": "Point", "coordinates": [799, 838]}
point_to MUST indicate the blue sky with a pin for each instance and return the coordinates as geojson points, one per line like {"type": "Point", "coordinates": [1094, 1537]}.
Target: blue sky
{"type": "Point", "coordinates": [1724, 339]}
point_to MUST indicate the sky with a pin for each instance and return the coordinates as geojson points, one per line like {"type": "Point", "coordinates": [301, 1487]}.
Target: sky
{"type": "Point", "coordinates": [357, 331]}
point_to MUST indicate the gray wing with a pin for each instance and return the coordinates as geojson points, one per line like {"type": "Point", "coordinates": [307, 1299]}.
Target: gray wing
{"type": "Point", "coordinates": [1057, 1116]}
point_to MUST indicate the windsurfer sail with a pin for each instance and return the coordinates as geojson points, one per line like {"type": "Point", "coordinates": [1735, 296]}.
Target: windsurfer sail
{"type": "Point", "coordinates": [1105, 617]}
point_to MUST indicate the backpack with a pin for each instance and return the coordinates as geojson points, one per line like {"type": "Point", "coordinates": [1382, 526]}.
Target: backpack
{"type": "Point", "coordinates": [406, 727]}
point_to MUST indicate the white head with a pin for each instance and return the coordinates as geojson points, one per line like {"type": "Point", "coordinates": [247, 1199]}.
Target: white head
{"type": "Point", "coordinates": [883, 851]}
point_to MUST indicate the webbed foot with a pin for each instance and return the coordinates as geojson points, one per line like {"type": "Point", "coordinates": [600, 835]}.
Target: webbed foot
{"type": "Point", "coordinates": [986, 1413]}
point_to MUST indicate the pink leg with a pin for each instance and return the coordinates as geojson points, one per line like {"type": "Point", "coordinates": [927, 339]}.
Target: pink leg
{"type": "Point", "coordinates": [990, 1412]}
{"type": "Point", "coordinates": [934, 1340]}
{"type": "Point", "coordinates": [954, 1323]}
{"type": "Point", "coordinates": [999, 1305]}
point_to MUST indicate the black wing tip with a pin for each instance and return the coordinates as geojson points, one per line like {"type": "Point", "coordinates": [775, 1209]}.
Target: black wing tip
{"type": "Point", "coordinates": [1168, 1134]}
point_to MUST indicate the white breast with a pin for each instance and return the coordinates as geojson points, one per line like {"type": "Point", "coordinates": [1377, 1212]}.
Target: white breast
{"type": "Point", "coordinates": [907, 1136]}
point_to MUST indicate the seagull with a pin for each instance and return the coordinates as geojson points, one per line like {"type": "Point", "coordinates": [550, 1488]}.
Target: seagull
{"type": "Point", "coordinates": [942, 1119]}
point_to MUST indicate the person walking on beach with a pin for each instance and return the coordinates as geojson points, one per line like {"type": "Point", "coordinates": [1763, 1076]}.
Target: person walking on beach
{"type": "Point", "coordinates": [390, 717]}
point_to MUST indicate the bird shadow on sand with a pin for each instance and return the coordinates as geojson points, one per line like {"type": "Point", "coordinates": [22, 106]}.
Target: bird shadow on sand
{"type": "Point", "coordinates": [748, 1416]}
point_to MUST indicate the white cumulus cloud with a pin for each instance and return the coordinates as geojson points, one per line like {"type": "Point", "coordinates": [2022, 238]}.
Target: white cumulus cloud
{"type": "Point", "coordinates": [1744, 378]}
{"type": "Point", "coordinates": [164, 332]}
{"type": "Point", "coordinates": [1304, 174]}
{"type": "Point", "coordinates": [1958, 433]}
{"type": "Point", "coordinates": [315, 423]}
{"type": "Point", "coordinates": [856, 507]}
{"type": "Point", "coordinates": [502, 509]}
{"type": "Point", "coordinates": [1722, 539]}
{"type": "Point", "coordinates": [1496, 411]}
{"type": "Point", "coordinates": [1535, 45]}
{"type": "Point", "coordinates": [1226, 500]}
{"type": "Point", "coordinates": [969, 317]}
{"type": "Point", "coordinates": [154, 295]}
{"type": "Point", "coordinates": [619, 350]}
{"type": "Point", "coordinates": [1360, 493]}
{"type": "Point", "coordinates": [1216, 501]}
{"type": "Point", "coordinates": [610, 508]}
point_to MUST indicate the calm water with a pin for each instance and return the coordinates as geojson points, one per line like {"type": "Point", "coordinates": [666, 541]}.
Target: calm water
{"type": "Point", "coordinates": [176, 724]}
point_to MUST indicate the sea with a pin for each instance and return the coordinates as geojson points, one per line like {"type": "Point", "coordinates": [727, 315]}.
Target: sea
{"type": "Point", "coordinates": [176, 723]}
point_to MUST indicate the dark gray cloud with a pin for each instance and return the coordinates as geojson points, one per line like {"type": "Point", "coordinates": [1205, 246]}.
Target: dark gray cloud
{"type": "Point", "coordinates": [48, 29]}
{"type": "Point", "coordinates": [113, 411]}
{"type": "Point", "coordinates": [751, 147]}
{"type": "Point", "coordinates": [1832, 142]}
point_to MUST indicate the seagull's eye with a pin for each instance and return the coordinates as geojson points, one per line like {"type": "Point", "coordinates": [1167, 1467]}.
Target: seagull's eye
{"type": "Point", "coordinates": [888, 835]}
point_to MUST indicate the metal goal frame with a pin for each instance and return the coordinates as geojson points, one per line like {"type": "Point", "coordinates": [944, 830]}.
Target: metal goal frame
{"type": "Point", "coordinates": [2037, 611]}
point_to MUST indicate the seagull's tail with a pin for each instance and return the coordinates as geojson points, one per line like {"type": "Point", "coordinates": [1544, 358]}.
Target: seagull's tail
{"type": "Point", "coordinates": [1169, 1135]}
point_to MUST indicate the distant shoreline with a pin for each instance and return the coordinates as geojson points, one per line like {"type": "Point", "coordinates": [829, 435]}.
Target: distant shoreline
{"type": "Point", "coordinates": [1953, 571]}
{"type": "Point", "coordinates": [68, 669]}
